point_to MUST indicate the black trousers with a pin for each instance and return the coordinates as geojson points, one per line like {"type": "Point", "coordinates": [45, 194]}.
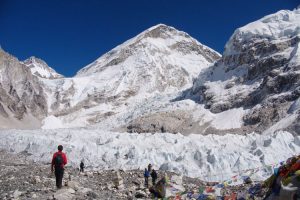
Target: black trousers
{"type": "Point", "coordinates": [59, 174]}
{"type": "Point", "coordinates": [153, 181]}
{"type": "Point", "coordinates": [81, 169]}
{"type": "Point", "coordinates": [146, 181]}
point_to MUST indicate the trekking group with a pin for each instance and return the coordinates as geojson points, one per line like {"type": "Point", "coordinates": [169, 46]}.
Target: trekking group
{"type": "Point", "coordinates": [150, 172]}
{"type": "Point", "coordinates": [59, 160]}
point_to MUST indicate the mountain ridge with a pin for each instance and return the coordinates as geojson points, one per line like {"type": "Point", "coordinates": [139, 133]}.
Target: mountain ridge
{"type": "Point", "coordinates": [135, 86]}
{"type": "Point", "coordinates": [159, 60]}
{"type": "Point", "coordinates": [158, 31]}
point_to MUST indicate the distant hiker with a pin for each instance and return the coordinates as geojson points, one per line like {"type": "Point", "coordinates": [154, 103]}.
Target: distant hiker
{"type": "Point", "coordinates": [58, 163]}
{"type": "Point", "coordinates": [146, 176]}
{"type": "Point", "coordinates": [153, 176]}
{"type": "Point", "coordinates": [81, 166]}
{"type": "Point", "coordinates": [149, 168]}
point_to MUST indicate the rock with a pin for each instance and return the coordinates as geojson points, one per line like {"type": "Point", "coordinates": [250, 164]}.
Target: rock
{"type": "Point", "coordinates": [89, 174]}
{"type": "Point", "coordinates": [171, 121]}
{"type": "Point", "coordinates": [34, 196]}
{"type": "Point", "coordinates": [17, 194]}
{"type": "Point", "coordinates": [118, 181]}
{"type": "Point", "coordinates": [73, 185]}
{"type": "Point", "coordinates": [131, 189]}
{"type": "Point", "coordinates": [109, 186]}
{"type": "Point", "coordinates": [86, 190]}
{"type": "Point", "coordinates": [31, 98]}
{"type": "Point", "coordinates": [92, 195]}
{"type": "Point", "coordinates": [140, 194]}
{"type": "Point", "coordinates": [36, 180]}
{"type": "Point", "coordinates": [136, 182]}
{"type": "Point", "coordinates": [64, 194]}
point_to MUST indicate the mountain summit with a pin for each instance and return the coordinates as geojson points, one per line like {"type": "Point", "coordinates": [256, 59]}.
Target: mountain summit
{"type": "Point", "coordinates": [40, 68]}
{"type": "Point", "coordinates": [156, 46]}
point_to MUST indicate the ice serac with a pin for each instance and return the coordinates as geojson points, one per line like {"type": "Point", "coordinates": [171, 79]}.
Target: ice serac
{"type": "Point", "coordinates": [159, 61]}
{"type": "Point", "coordinates": [40, 68]}
{"type": "Point", "coordinates": [259, 72]}
{"type": "Point", "coordinates": [22, 101]}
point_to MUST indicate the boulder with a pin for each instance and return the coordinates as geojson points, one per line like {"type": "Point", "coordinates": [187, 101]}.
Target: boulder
{"type": "Point", "coordinates": [17, 194]}
{"type": "Point", "coordinates": [64, 194]}
{"type": "Point", "coordinates": [140, 194]}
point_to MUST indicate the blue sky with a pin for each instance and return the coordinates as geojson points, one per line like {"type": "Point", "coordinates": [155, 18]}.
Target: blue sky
{"type": "Point", "coordinates": [69, 34]}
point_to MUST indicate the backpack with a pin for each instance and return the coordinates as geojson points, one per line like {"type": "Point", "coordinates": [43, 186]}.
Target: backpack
{"type": "Point", "coordinates": [58, 161]}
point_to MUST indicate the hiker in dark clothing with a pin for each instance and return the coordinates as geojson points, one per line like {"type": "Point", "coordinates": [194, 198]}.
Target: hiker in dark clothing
{"type": "Point", "coordinates": [81, 166]}
{"type": "Point", "coordinates": [59, 160]}
{"type": "Point", "coordinates": [149, 168]}
{"type": "Point", "coordinates": [153, 176]}
{"type": "Point", "coordinates": [146, 176]}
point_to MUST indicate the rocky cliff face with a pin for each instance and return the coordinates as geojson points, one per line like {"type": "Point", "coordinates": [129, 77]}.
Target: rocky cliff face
{"type": "Point", "coordinates": [22, 100]}
{"type": "Point", "coordinates": [259, 71]}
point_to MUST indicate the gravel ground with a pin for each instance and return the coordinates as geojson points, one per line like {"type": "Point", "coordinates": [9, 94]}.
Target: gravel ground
{"type": "Point", "coordinates": [24, 179]}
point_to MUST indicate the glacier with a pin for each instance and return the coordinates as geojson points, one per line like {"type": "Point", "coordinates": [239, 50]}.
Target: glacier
{"type": "Point", "coordinates": [210, 158]}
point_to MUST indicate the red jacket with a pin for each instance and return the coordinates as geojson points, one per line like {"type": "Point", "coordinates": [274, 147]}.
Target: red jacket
{"type": "Point", "coordinates": [64, 157]}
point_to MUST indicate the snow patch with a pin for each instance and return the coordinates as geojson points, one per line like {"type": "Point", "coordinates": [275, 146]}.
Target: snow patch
{"type": "Point", "coordinates": [280, 25]}
{"type": "Point", "coordinates": [229, 119]}
{"type": "Point", "coordinates": [52, 122]}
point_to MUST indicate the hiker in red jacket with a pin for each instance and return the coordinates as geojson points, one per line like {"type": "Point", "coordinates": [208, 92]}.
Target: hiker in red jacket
{"type": "Point", "coordinates": [58, 163]}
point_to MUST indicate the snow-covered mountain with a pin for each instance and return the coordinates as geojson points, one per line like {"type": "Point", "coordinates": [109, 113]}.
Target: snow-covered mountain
{"type": "Point", "coordinates": [40, 68]}
{"type": "Point", "coordinates": [162, 49]}
{"type": "Point", "coordinates": [253, 87]}
{"type": "Point", "coordinates": [159, 61]}
{"type": "Point", "coordinates": [259, 72]}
